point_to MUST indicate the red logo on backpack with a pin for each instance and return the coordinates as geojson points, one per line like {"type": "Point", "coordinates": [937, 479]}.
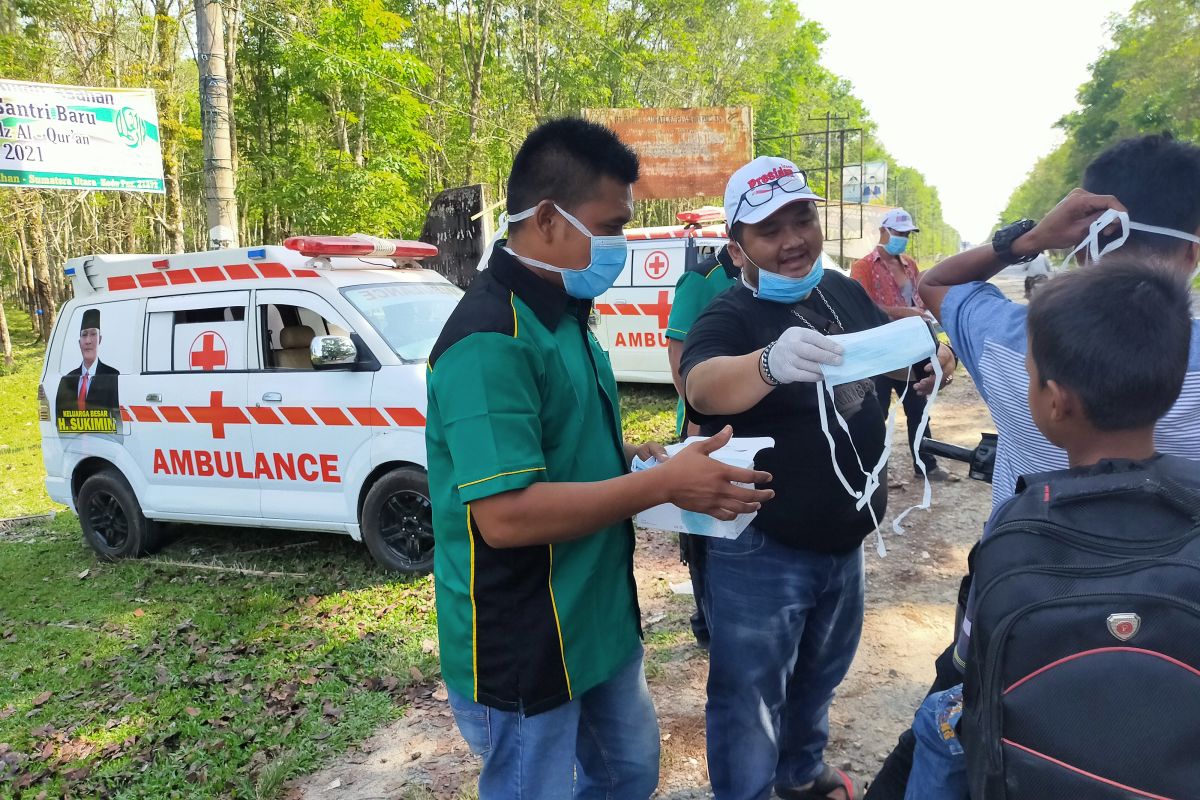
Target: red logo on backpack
{"type": "Point", "coordinates": [1124, 626]}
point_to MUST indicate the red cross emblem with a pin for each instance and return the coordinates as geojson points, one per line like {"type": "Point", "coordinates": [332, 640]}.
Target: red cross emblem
{"type": "Point", "coordinates": [209, 352]}
{"type": "Point", "coordinates": [661, 309]}
{"type": "Point", "coordinates": [217, 414]}
{"type": "Point", "coordinates": [656, 265]}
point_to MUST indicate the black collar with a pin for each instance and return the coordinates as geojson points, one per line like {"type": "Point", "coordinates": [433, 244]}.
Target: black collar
{"type": "Point", "coordinates": [726, 262]}
{"type": "Point", "coordinates": [548, 301]}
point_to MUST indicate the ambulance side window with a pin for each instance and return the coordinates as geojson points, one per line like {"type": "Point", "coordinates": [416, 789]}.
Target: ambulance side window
{"type": "Point", "coordinates": [287, 331]}
{"type": "Point", "coordinates": [196, 339]}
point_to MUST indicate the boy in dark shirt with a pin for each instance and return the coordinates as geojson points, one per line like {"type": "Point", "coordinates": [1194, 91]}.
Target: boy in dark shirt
{"type": "Point", "coordinates": [1108, 351]}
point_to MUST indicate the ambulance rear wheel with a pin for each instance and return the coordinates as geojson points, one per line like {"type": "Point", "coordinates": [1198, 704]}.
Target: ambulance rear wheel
{"type": "Point", "coordinates": [397, 521]}
{"type": "Point", "coordinates": [112, 521]}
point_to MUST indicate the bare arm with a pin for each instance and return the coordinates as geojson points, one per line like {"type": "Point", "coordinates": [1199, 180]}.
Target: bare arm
{"type": "Point", "coordinates": [978, 264]}
{"type": "Point", "coordinates": [727, 384]}
{"type": "Point", "coordinates": [547, 513]}
{"type": "Point", "coordinates": [900, 312]}
{"type": "Point", "coordinates": [674, 355]}
{"type": "Point", "coordinates": [1065, 226]}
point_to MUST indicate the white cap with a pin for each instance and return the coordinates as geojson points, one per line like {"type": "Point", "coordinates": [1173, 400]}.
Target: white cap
{"type": "Point", "coordinates": [899, 220]}
{"type": "Point", "coordinates": [741, 199]}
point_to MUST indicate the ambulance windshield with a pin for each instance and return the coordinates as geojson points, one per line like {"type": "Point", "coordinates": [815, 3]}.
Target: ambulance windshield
{"type": "Point", "coordinates": [409, 316]}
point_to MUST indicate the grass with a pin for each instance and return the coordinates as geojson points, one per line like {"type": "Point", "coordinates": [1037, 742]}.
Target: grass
{"type": "Point", "coordinates": [648, 412]}
{"type": "Point", "coordinates": [21, 489]}
{"type": "Point", "coordinates": [141, 679]}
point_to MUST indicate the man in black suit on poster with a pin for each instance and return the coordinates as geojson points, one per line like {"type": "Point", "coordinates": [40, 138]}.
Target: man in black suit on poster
{"type": "Point", "coordinates": [93, 384]}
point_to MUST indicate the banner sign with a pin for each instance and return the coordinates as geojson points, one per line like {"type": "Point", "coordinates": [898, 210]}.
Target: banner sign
{"type": "Point", "coordinates": [76, 137]}
{"type": "Point", "coordinates": [873, 185]}
{"type": "Point", "coordinates": [684, 152]}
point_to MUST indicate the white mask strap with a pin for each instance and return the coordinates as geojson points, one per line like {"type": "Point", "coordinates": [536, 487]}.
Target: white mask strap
{"type": "Point", "coordinates": [501, 232]}
{"type": "Point", "coordinates": [927, 495]}
{"type": "Point", "coordinates": [1092, 242]}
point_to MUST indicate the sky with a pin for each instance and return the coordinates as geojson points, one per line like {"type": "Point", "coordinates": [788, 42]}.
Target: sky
{"type": "Point", "coordinates": [963, 90]}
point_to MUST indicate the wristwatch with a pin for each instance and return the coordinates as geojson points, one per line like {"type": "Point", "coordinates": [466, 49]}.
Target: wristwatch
{"type": "Point", "coordinates": [1002, 241]}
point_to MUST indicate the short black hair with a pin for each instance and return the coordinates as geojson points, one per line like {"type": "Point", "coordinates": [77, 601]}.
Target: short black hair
{"type": "Point", "coordinates": [562, 160]}
{"type": "Point", "coordinates": [1158, 179]}
{"type": "Point", "coordinates": [1118, 336]}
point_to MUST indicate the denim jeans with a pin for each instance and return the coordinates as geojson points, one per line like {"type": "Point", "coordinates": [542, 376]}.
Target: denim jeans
{"type": "Point", "coordinates": [603, 745]}
{"type": "Point", "coordinates": [785, 624]}
{"type": "Point", "coordinates": [939, 770]}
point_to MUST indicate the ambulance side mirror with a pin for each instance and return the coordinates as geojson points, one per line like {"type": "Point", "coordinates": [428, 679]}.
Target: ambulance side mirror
{"type": "Point", "coordinates": [331, 352]}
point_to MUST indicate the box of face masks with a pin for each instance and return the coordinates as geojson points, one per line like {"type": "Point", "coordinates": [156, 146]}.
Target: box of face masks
{"type": "Point", "coordinates": [668, 517]}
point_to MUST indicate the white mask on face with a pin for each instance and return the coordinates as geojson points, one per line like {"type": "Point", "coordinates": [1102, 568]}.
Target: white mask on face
{"type": "Point", "coordinates": [869, 353]}
{"type": "Point", "coordinates": [1091, 243]}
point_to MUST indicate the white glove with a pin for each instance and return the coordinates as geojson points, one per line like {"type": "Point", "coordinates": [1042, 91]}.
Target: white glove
{"type": "Point", "coordinates": [798, 354]}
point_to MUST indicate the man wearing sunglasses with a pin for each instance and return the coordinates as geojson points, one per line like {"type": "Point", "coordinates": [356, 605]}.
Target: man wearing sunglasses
{"type": "Point", "coordinates": [784, 601]}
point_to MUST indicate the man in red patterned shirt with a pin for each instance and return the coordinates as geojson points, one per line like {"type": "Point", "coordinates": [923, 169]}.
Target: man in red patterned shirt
{"type": "Point", "coordinates": [890, 278]}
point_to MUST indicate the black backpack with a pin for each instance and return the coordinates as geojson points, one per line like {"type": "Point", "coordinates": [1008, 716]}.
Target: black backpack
{"type": "Point", "coordinates": [1083, 676]}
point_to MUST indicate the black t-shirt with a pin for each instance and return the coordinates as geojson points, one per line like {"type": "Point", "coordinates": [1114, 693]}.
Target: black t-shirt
{"type": "Point", "coordinates": [810, 509]}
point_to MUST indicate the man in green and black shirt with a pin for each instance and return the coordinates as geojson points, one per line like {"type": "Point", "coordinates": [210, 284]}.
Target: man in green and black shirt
{"type": "Point", "coordinates": [532, 494]}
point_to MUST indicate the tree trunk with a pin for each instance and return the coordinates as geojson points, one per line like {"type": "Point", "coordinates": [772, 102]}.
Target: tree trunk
{"type": "Point", "coordinates": [166, 56]}
{"type": "Point", "coordinates": [43, 286]}
{"type": "Point", "coordinates": [477, 87]}
{"type": "Point", "coordinates": [232, 27]}
{"type": "Point", "coordinates": [360, 133]}
{"type": "Point", "coordinates": [5, 339]}
{"type": "Point", "coordinates": [219, 177]}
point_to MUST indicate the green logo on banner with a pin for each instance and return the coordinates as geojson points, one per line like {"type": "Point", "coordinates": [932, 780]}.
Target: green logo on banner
{"type": "Point", "coordinates": [130, 126]}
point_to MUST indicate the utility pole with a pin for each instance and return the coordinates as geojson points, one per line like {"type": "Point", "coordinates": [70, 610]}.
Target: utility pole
{"type": "Point", "coordinates": [219, 178]}
{"type": "Point", "coordinates": [829, 118]}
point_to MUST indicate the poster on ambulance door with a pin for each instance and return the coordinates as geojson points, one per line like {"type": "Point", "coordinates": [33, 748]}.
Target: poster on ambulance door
{"type": "Point", "coordinates": [79, 138]}
{"type": "Point", "coordinates": [88, 396]}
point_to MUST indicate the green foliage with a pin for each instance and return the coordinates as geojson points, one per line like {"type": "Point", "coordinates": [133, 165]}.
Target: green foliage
{"type": "Point", "coordinates": [351, 115]}
{"type": "Point", "coordinates": [1147, 81]}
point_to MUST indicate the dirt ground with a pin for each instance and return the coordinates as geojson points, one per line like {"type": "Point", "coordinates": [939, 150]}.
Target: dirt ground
{"type": "Point", "coordinates": [909, 620]}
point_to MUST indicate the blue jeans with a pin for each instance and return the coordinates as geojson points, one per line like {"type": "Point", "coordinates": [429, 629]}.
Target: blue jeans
{"type": "Point", "coordinates": [602, 745]}
{"type": "Point", "coordinates": [939, 770]}
{"type": "Point", "coordinates": [785, 624]}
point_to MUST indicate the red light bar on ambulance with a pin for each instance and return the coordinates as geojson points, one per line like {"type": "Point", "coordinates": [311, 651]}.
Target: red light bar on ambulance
{"type": "Point", "coordinates": [327, 246]}
{"type": "Point", "coordinates": [702, 215]}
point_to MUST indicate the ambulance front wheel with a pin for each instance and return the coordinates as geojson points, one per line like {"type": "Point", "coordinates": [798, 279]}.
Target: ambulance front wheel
{"type": "Point", "coordinates": [397, 521]}
{"type": "Point", "coordinates": [112, 521]}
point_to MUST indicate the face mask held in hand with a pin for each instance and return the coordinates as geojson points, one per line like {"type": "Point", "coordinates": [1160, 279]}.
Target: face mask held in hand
{"type": "Point", "coordinates": [1091, 244]}
{"type": "Point", "coordinates": [866, 354]}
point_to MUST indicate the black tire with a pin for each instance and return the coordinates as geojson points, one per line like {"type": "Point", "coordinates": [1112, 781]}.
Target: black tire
{"type": "Point", "coordinates": [112, 521]}
{"type": "Point", "coordinates": [397, 522]}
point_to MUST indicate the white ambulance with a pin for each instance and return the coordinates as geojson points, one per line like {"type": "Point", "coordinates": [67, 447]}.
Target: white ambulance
{"type": "Point", "coordinates": [630, 319]}
{"type": "Point", "coordinates": [277, 387]}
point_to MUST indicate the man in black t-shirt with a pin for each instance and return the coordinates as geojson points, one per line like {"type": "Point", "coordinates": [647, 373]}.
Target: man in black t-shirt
{"type": "Point", "coordinates": [784, 600]}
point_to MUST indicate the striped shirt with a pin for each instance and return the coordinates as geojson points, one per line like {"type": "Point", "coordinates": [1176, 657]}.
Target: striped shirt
{"type": "Point", "coordinates": [987, 331]}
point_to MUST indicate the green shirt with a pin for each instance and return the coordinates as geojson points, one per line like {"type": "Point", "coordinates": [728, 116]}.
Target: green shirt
{"type": "Point", "coordinates": [694, 291]}
{"type": "Point", "coordinates": [520, 391]}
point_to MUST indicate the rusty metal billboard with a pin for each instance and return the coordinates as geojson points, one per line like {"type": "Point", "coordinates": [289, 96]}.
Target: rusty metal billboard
{"type": "Point", "coordinates": [685, 152]}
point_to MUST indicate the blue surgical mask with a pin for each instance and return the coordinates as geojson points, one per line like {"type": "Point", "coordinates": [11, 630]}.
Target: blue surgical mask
{"type": "Point", "coordinates": [896, 244]}
{"type": "Point", "coordinates": [782, 289]}
{"type": "Point", "coordinates": [607, 260]}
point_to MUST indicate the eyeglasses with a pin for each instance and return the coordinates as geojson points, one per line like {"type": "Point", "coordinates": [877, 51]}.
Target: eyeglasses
{"type": "Point", "coordinates": [759, 195]}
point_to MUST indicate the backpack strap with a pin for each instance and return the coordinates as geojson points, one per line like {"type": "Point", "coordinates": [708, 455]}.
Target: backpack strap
{"type": "Point", "coordinates": [1076, 489]}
